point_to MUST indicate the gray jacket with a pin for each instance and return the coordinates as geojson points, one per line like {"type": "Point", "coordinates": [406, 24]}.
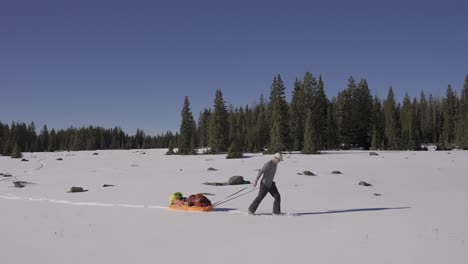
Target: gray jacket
{"type": "Point", "coordinates": [268, 171]}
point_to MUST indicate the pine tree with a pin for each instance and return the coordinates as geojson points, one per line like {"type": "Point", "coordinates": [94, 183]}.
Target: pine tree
{"type": "Point", "coordinates": [7, 141]}
{"type": "Point", "coordinates": [78, 142]}
{"type": "Point", "coordinates": [416, 124]}
{"type": "Point", "coordinates": [434, 114]}
{"type": "Point", "coordinates": [261, 128]}
{"type": "Point", "coordinates": [279, 117]}
{"type": "Point", "coordinates": [232, 120]}
{"type": "Point", "coordinates": [16, 154]}
{"type": "Point", "coordinates": [187, 130]}
{"type": "Point", "coordinates": [242, 121]}
{"type": "Point", "coordinates": [194, 140]}
{"type": "Point", "coordinates": [31, 138]}
{"type": "Point", "coordinates": [296, 116]}
{"type": "Point", "coordinates": [377, 137]}
{"type": "Point", "coordinates": [331, 136]}
{"type": "Point", "coordinates": [362, 101]}
{"type": "Point", "coordinates": [462, 118]}
{"type": "Point", "coordinates": [316, 101]}
{"type": "Point", "coordinates": [349, 118]}
{"type": "Point", "coordinates": [407, 129]}
{"type": "Point", "coordinates": [115, 138]}
{"type": "Point", "coordinates": [250, 138]}
{"type": "Point", "coordinates": [310, 135]}
{"type": "Point", "coordinates": [2, 137]}
{"type": "Point", "coordinates": [309, 84]}
{"type": "Point", "coordinates": [320, 113]}
{"type": "Point", "coordinates": [234, 150]}
{"type": "Point", "coordinates": [448, 113]}
{"type": "Point", "coordinates": [170, 149]}
{"type": "Point", "coordinates": [203, 127]}
{"type": "Point", "coordinates": [427, 122]}
{"type": "Point", "coordinates": [53, 141]}
{"type": "Point", "coordinates": [390, 117]}
{"type": "Point", "coordinates": [218, 138]}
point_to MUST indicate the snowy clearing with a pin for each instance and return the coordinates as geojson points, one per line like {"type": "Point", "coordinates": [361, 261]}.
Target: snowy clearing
{"type": "Point", "coordinates": [414, 212]}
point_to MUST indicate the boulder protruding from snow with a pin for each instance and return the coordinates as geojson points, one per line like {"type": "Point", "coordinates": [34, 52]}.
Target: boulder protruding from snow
{"type": "Point", "coordinates": [373, 154]}
{"type": "Point", "coordinates": [59, 159]}
{"type": "Point", "coordinates": [377, 194]}
{"type": "Point", "coordinates": [95, 154]}
{"type": "Point", "coordinates": [212, 169]}
{"type": "Point", "coordinates": [19, 184]}
{"type": "Point", "coordinates": [24, 160]}
{"type": "Point", "coordinates": [363, 183]}
{"type": "Point", "coordinates": [336, 172]}
{"type": "Point", "coordinates": [309, 173]}
{"type": "Point", "coordinates": [77, 189]}
{"type": "Point", "coordinates": [236, 180]}
{"type": "Point", "coordinates": [108, 185]}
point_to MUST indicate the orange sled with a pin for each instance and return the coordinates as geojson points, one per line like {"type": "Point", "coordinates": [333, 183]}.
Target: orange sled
{"type": "Point", "coordinates": [191, 208]}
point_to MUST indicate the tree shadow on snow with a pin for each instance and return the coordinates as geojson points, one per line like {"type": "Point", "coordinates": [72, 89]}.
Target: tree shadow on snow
{"type": "Point", "coordinates": [350, 210]}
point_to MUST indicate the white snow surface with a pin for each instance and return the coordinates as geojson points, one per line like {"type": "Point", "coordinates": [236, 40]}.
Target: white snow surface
{"type": "Point", "coordinates": [420, 217]}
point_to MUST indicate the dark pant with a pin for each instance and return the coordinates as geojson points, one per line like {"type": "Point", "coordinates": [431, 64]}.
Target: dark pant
{"type": "Point", "coordinates": [262, 193]}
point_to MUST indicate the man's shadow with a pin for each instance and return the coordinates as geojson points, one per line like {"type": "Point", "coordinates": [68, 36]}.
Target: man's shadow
{"type": "Point", "coordinates": [341, 211]}
{"type": "Point", "coordinates": [351, 210]}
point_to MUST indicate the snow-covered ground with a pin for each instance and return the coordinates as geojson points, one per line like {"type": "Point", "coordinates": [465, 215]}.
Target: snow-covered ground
{"type": "Point", "coordinates": [420, 217]}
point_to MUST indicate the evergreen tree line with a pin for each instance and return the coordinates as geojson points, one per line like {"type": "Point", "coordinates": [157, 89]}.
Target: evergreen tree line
{"type": "Point", "coordinates": [310, 122]}
{"type": "Point", "coordinates": [24, 138]}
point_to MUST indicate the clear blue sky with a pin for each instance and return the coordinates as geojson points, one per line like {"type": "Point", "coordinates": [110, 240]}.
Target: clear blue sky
{"type": "Point", "coordinates": [130, 63]}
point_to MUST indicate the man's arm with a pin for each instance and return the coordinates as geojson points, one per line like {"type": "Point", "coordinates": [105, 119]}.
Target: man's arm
{"type": "Point", "coordinates": [260, 173]}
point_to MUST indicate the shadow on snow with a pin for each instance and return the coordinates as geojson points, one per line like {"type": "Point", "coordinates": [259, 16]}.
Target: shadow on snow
{"type": "Point", "coordinates": [344, 211]}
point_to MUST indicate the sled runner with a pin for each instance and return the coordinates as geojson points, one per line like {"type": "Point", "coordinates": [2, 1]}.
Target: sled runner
{"type": "Point", "coordinates": [191, 208]}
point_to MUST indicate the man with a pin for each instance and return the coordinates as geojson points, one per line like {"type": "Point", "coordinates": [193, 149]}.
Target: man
{"type": "Point", "coordinates": [267, 185]}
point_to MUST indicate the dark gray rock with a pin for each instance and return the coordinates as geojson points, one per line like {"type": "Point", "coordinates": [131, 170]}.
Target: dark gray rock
{"type": "Point", "coordinates": [59, 159]}
{"type": "Point", "coordinates": [373, 154]}
{"type": "Point", "coordinates": [108, 185]}
{"type": "Point", "coordinates": [212, 169]}
{"type": "Point", "coordinates": [308, 173]}
{"type": "Point", "coordinates": [336, 172]}
{"type": "Point", "coordinates": [24, 160]}
{"type": "Point", "coordinates": [363, 183]}
{"type": "Point", "coordinates": [216, 183]}
{"type": "Point", "coordinates": [19, 184]}
{"type": "Point", "coordinates": [377, 194]}
{"type": "Point", "coordinates": [77, 189]}
{"type": "Point", "coordinates": [236, 180]}
{"type": "Point", "coordinates": [299, 173]}
{"type": "Point", "coordinates": [95, 154]}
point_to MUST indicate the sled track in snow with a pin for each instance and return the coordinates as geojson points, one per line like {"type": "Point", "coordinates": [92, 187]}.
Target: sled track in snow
{"type": "Point", "coordinates": [135, 206]}
{"type": "Point", "coordinates": [13, 197]}
{"type": "Point", "coordinates": [30, 172]}
{"type": "Point", "coordinates": [93, 204]}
